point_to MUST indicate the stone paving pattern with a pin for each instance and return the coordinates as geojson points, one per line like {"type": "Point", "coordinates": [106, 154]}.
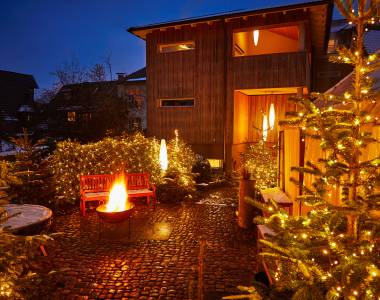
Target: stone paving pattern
{"type": "Point", "coordinates": [161, 261]}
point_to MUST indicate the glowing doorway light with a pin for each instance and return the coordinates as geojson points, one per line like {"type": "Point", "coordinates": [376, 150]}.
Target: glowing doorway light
{"type": "Point", "coordinates": [265, 128]}
{"type": "Point", "coordinates": [256, 37]}
{"type": "Point", "coordinates": [163, 155]}
{"type": "Point", "coordinates": [271, 116]}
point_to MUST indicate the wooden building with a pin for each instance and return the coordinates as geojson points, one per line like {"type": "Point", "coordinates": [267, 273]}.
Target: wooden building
{"type": "Point", "coordinates": [210, 79]}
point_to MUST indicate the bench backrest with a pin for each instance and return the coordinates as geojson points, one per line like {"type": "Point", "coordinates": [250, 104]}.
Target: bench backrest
{"type": "Point", "coordinates": [96, 183]}
{"type": "Point", "coordinates": [137, 181]}
{"type": "Point", "coordinates": [103, 182]}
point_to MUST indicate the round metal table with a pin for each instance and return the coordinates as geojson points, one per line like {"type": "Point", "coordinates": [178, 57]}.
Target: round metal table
{"type": "Point", "coordinates": [25, 218]}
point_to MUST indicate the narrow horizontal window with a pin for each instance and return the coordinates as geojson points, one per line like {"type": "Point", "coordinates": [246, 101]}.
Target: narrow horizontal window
{"type": "Point", "coordinates": [184, 46]}
{"type": "Point", "coordinates": [189, 102]}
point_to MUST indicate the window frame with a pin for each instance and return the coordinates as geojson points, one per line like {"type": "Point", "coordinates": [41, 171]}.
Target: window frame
{"type": "Point", "coordinates": [163, 45]}
{"type": "Point", "coordinates": [265, 27]}
{"type": "Point", "coordinates": [71, 116]}
{"type": "Point", "coordinates": [176, 99]}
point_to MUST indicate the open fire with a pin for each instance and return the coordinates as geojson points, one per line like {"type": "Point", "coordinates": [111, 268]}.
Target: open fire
{"type": "Point", "coordinates": [117, 208]}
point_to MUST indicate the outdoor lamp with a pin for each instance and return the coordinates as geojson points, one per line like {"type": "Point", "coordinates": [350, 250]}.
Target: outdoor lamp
{"type": "Point", "coordinates": [271, 116]}
{"type": "Point", "coordinates": [163, 155]}
{"type": "Point", "coordinates": [256, 37]}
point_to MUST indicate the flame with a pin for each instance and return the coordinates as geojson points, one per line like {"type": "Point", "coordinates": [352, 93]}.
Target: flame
{"type": "Point", "coordinates": [271, 116]}
{"type": "Point", "coordinates": [163, 156]}
{"type": "Point", "coordinates": [256, 37]}
{"type": "Point", "coordinates": [265, 128]}
{"type": "Point", "coordinates": [118, 198]}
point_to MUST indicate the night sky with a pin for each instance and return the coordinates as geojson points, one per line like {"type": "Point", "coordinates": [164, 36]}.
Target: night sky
{"type": "Point", "coordinates": [38, 36]}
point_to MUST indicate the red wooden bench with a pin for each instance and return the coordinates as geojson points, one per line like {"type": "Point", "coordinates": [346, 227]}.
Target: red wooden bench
{"type": "Point", "coordinates": [97, 187]}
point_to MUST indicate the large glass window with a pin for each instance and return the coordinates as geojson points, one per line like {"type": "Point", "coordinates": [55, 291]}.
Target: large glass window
{"type": "Point", "coordinates": [256, 41]}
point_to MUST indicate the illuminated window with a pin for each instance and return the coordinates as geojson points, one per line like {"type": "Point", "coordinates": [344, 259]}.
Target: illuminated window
{"type": "Point", "coordinates": [184, 102]}
{"type": "Point", "coordinates": [215, 163]}
{"type": "Point", "coordinates": [71, 116]}
{"type": "Point", "coordinates": [331, 46]}
{"type": "Point", "coordinates": [259, 41]}
{"type": "Point", "coordinates": [184, 46]}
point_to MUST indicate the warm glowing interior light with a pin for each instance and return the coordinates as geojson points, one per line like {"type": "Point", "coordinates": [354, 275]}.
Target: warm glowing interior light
{"type": "Point", "coordinates": [271, 116]}
{"type": "Point", "coordinates": [256, 37]}
{"type": "Point", "coordinates": [265, 128]}
{"type": "Point", "coordinates": [163, 156]}
{"type": "Point", "coordinates": [184, 47]}
{"type": "Point", "coordinates": [118, 198]}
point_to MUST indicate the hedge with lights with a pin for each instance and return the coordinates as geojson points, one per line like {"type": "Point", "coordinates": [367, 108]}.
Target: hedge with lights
{"type": "Point", "coordinates": [333, 252]}
{"type": "Point", "coordinates": [130, 153]}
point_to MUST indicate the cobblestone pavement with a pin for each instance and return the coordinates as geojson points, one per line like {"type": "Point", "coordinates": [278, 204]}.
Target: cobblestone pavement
{"type": "Point", "coordinates": [162, 259]}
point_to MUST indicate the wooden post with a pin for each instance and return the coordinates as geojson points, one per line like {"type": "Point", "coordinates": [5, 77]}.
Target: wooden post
{"type": "Point", "coordinates": [202, 245]}
{"type": "Point", "coordinates": [246, 211]}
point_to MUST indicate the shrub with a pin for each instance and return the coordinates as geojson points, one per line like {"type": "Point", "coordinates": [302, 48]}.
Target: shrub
{"type": "Point", "coordinates": [202, 169]}
{"type": "Point", "coordinates": [16, 255]}
{"type": "Point", "coordinates": [130, 153]}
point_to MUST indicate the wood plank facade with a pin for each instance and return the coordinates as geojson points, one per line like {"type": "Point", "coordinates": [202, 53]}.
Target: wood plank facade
{"type": "Point", "coordinates": [210, 74]}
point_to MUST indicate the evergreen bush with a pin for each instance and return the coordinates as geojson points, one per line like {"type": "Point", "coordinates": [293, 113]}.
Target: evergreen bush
{"type": "Point", "coordinates": [128, 153]}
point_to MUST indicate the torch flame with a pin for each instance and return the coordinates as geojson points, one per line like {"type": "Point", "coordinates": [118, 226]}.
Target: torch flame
{"type": "Point", "coordinates": [118, 198]}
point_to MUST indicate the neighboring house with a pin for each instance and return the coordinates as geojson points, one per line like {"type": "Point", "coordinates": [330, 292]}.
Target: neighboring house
{"type": "Point", "coordinates": [342, 34]}
{"type": "Point", "coordinates": [90, 110]}
{"type": "Point", "coordinates": [134, 85]}
{"type": "Point", "coordinates": [17, 106]}
{"type": "Point", "coordinates": [210, 78]}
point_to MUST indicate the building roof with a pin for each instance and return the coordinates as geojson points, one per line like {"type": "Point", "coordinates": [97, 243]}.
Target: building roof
{"type": "Point", "coordinates": [346, 83]}
{"type": "Point", "coordinates": [371, 37]}
{"type": "Point", "coordinates": [82, 95]}
{"type": "Point", "coordinates": [17, 79]}
{"type": "Point", "coordinates": [320, 16]}
{"type": "Point", "coordinates": [140, 74]}
{"type": "Point", "coordinates": [340, 24]}
{"type": "Point", "coordinates": [372, 41]}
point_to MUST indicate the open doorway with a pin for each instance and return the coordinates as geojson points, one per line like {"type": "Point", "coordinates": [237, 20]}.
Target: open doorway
{"type": "Point", "coordinates": [250, 105]}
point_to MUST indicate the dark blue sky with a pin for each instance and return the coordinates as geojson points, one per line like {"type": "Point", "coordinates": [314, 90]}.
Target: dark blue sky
{"type": "Point", "coordinates": [38, 36]}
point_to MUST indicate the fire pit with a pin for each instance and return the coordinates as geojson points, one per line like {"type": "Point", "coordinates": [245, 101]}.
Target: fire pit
{"type": "Point", "coordinates": [118, 208]}
{"type": "Point", "coordinates": [114, 216]}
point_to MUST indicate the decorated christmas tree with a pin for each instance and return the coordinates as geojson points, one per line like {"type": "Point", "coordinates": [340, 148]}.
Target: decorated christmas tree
{"type": "Point", "coordinates": [31, 170]}
{"type": "Point", "coordinates": [260, 162]}
{"type": "Point", "coordinates": [333, 251]}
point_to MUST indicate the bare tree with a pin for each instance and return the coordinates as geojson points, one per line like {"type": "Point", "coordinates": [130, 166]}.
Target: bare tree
{"type": "Point", "coordinates": [107, 61]}
{"type": "Point", "coordinates": [46, 95]}
{"type": "Point", "coordinates": [97, 73]}
{"type": "Point", "coordinates": [71, 72]}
